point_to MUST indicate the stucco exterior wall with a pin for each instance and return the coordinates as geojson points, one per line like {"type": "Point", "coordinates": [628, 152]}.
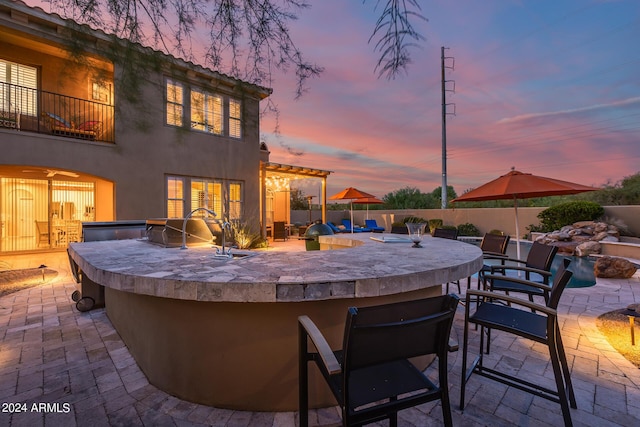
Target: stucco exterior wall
{"type": "Point", "coordinates": [146, 150]}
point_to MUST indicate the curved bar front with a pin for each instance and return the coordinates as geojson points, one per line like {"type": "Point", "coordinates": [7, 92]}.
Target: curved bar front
{"type": "Point", "coordinates": [223, 332]}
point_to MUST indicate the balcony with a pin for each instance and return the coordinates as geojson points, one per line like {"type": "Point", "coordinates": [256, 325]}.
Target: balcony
{"type": "Point", "coordinates": [32, 110]}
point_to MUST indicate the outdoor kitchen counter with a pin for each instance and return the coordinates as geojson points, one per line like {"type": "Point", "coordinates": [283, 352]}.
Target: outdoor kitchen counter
{"type": "Point", "coordinates": [369, 269]}
{"type": "Point", "coordinates": [224, 333]}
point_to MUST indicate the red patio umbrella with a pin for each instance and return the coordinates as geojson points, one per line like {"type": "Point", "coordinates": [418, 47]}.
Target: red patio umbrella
{"type": "Point", "coordinates": [518, 185]}
{"type": "Point", "coordinates": [368, 201]}
{"type": "Point", "coordinates": [351, 194]}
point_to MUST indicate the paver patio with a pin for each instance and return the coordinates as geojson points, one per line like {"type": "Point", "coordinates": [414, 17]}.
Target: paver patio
{"type": "Point", "coordinates": [51, 353]}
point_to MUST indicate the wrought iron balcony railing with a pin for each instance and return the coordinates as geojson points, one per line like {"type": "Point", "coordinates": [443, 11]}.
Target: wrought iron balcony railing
{"type": "Point", "coordinates": [33, 110]}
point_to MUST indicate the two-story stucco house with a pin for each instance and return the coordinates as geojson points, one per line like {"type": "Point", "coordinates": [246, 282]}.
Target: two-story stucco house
{"type": "Point", "coordinates": [93, 128]}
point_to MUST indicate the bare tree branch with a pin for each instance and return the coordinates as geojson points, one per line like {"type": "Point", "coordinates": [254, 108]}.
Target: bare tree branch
{"type": "Point", "coordinates": [249, 39]}
{"type": "Point", "coordinates": [392, 29]}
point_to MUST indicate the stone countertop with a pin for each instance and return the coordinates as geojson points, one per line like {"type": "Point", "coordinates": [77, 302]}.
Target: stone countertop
{"type": "Point", "coordinates": [369, 269]}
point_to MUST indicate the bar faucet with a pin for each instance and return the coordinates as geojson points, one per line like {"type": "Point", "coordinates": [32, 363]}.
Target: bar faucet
{"type": "Point", "coordinates": [184, 225]}
{"type": "Point", "coordinates": [221, 251]}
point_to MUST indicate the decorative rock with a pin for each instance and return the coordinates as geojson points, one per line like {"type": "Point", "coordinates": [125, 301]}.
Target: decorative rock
{"type": "Point", "coordinates": [581, 238]}
{"type": "Point", "coordinates": [587, 231]}
{"type": "Point", "coordinates": [564, 236]}
{"type": "Point", "coordinates": [566, 248]}
{"type": "Point", "coordinates": [587, 248]}
{"type": "Point", "coordinates": [559, 236]}
{"type": "Point", "coordinates": [614, 233]}
{"type": "Point", "coordinates": [601, 235]}
{"type": "Point", "coordinates": [600, 227]}
{"type": "Point", "coordinates": [582, 224]}
{"type": "Point", "coordinates": [614, 268]}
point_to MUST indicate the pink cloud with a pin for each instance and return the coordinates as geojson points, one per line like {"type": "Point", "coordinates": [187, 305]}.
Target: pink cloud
{"type": "Point", "coordinates": [562, 114]}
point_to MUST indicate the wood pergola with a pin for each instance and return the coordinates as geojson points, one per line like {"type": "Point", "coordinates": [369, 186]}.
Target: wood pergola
{"type": "Point", "coordinates": [270, 169]}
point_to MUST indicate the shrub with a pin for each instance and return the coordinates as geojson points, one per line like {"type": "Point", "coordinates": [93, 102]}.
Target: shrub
{"type": "Point", "coordinates": [260, 243]}
{"type": "Point", "coordinates": [414, 219]}
{"type": "Point", "coordinates": [533, 228]}
{"type": "Point", "coordinates": [468, 229]}
{"type": "Point", "coordinates": [556, 217]}
{"type": "Point", "coordinates": [245, 237]}
{"type": "Point", "coordinates": [435, 223]}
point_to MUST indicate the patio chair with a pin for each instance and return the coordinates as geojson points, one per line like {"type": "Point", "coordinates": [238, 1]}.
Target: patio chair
{"type": "Point", "coordinates": [494, 247]}
{"type": "Point", "coordinates": [356, 228]}
{"type": "Point", "coordinates": [446, 233]}
{"type": "Point", "coordinates": [372, 377]}
{"type": "Point", "coordinates": [42, 227]}
{"type": "Point", "coordinates": [452, 234]}
{"type": "Point", "coordinates": [536, 268]}
{"type": "Point", "coordinates": [372, 224]}
{"type": "Point", "coordinates": [279, 230]}
{"type": "Point", "coordinates": [523, 318]}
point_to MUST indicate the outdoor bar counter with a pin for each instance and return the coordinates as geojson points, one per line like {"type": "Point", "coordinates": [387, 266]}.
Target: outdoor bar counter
{"type": "Point", "coordinates": [223, 332]}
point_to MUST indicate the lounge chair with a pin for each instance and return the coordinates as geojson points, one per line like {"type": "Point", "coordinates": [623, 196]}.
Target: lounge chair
{"type": "Point", "coordinates": [89, 129]}
{"type": "Point", "coordinates": [356, 228]}
{"type": "Point", "coordinates": [373, 226]}
{"type": "Point", "coordinates": [335, 228]}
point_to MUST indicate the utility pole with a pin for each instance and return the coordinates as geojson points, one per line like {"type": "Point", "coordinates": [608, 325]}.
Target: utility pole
{"type": "Point", "coordinates": [444, 121]}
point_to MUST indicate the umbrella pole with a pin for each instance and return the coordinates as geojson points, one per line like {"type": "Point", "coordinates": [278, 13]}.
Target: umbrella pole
{"type": "Point", "coordinates": [351, 216]}
{"type": "Point", "coordinates": [515, 205]}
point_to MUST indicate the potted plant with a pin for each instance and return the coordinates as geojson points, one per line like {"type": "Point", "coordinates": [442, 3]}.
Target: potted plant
{"type": "Point", "coordinates": [435, 223]}
{"type": "Point", "coordinates": [399, 228]}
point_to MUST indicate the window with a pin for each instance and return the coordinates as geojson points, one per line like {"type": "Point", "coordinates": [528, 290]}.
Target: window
{"type": "Point", "coordinates": [175, 101]}
{"type": "Point", "coordinates": [206, 194]}
{"type": "Point", "coordinates": [235, 118]}
{"type": "Point", "coordinates": [206, 112]}
{"type": "Point", "coordinates": [175, 197]}
{"type": "Point", "coordinates": [185, 194]}
{"type": "Point", "coordinates": [235, 200]}
{"type": "Point", "coordinates": [42, 212]}
{"type": "Point", "coordinates": [101, 92]}
{"type": "Point", "coordinates": [18, 88]}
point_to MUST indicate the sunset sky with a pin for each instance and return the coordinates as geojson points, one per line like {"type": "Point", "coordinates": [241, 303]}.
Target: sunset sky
{"type": "Point", "coordinates": [551, 88]}
{"type": "Point", "coordinates": [548, 87]}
